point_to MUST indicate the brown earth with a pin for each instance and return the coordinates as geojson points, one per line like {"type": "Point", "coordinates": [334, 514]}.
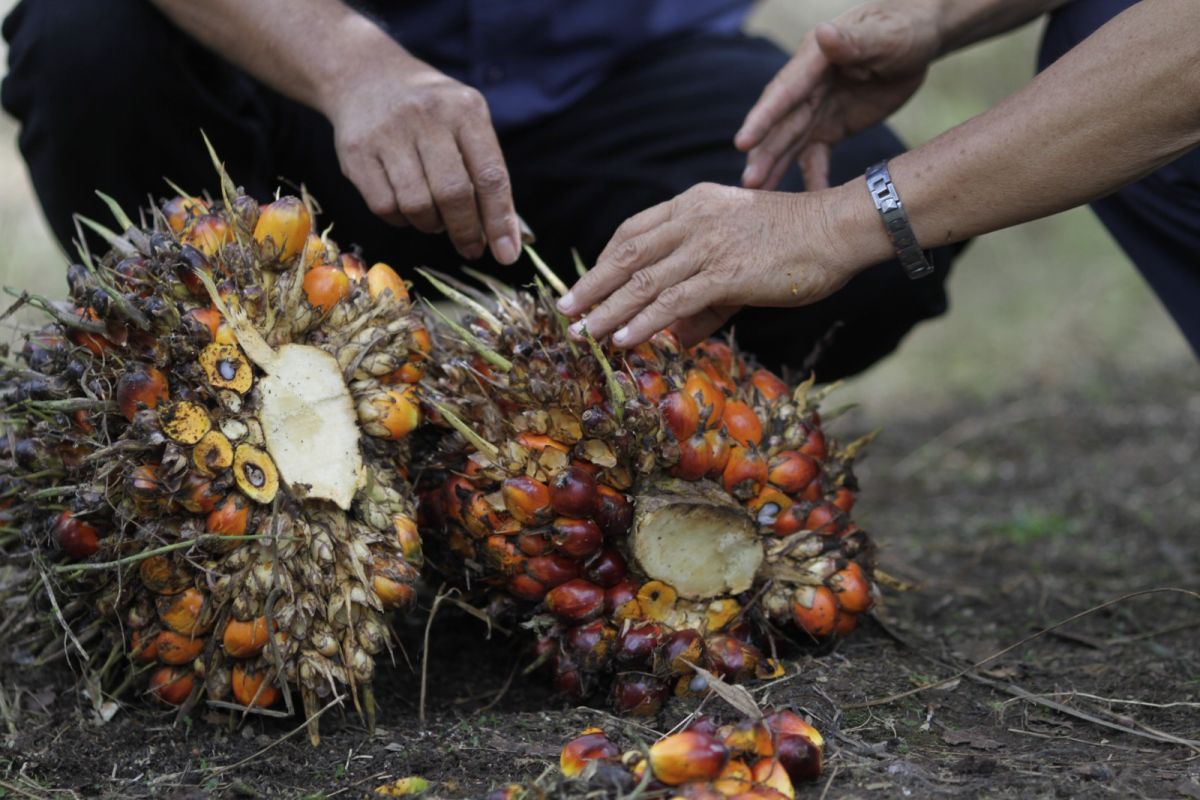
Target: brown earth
{"type": "Point", "coordinates": [1009, 517]}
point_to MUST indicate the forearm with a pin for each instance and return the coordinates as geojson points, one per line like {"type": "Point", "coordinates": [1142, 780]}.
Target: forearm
{"type": "Point", "coordinates": [964, 22]}
{"type": "Point", "coordinates": [300, 48]}
{"type": "Point", "coordinates": [1117, 107]}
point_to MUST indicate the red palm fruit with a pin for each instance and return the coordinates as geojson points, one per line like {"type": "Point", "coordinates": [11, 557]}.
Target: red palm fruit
{"type": "Point", "coordinates": [569, 681]}
{"type": "Point", "coordinates": [687, 757]}
{"type": "Point", "coordinates": [613, 512]}
{"type": "Point", "coordinates": [283, 226]}
{"type": "Point", "coordinates": [652, 386]}
{"type": "Point", "coordinates": [681, 415]}
{"type": "Point", "coordinates": [382, 278]}
{"type": "Point", "coordinates": [695, 459]}
{"type": "Point", "coordinates": [591, 745]}
{"type": "Point", "coordinates": [719, 449]}
{"type": "Point", "coordinates": [769, 772]}
{"type": "Point", "coordinates": [526, 588]}
{"type": "Point", "coordinates": [251, 688]}
{"type": "Point", "coordinates": [576, 600]}
{"type": "Point", "coordinates": [843, 498]}
{"type": "Point", "coordinates": [142, 482]}
{"type": "Point", "coordinates": [607, 568]}
{"type": "Point", "coordinates": [735, 778]}
{"type": "Point", "coordinates": [80, 419]}
{"type": "Point", "coordinates": [538, 442]}
{"type": "Point", "coordinates": [768, 384]}
{"type": "Point", "coordinates": [354, 267]}
{"type": "Point", "coordinates": [743, 424]}
{"type": "Point", "coordinates": [143, 648]}
{"type": "Point", "coordinates": [799, 745]}
{"type": "Point", "coordinates": [791, 520]}
{"type": "Point", "coordinates": [535, 543]}
{"type": "Point", "coordinates": [478, 515]}
{"type": "Point", "coordinates": [161, 575]}
{"type": "Point", "coordinates": [638, 694]}
{"type": "Point", "coordinates": [231, 517]}
{"type": "Point", "coordinates": [577, 538]}
{"type": "Point", "coordinates": [745, 474]}
{"type": "Point", "coordinates": [502, 554]}
{"type": "Point", "coordinates": [681, 651]}
{"type": "Point", "coordinates": [527, 499]}
{"type": "Point", "coordinates": [792, 471]}
{"type": "Point", "coordinates": [718, 352]}
{"type": "Point", "coordinates": [852, 589]}
{"type": "Point", "coordinates": [621, 601]}
{"type": "Point", "coordinates": [825, 519]}
{"type": "Point", "coordinates": [710, 401]}
{"type": "Point", "coordinates": [94, 342]}
{"type": "Point", "coordinates": [769, 506]}
{"type": "Point", "coordinates": [208, 318]}
{"type": "Point", "coordinates": [186, 613]}
{"type": "Point", "coordinates": [637, 643]}
{"type": "Point", "coordinates": [553, 570]}
{"type": "Point", "coordinates": [729, 658]}
{"type": "Point", "coordinates": [701, 791]}
{"type": "Point", "coordinates": [198, 495]}
{"type": "Point", "coordinates": [573, 492]}
{"type": "Point", "coordinates": [141, 389]}
{"type": "Point", "coordinates": [180, 210]}
{"type": "Point", "coordinates": [589, 644]}
{"type": "Point", "coordinates": [814, 609]}
{"type": "Point", "coordinates": [845, 623]}
{"type": "Point", "coordinates": [176, 649]}
{"type": "Point", "coordinates": [208, 233]}
{"type": "Point", "coordinates": [245, 639]}
{"type": "Point", "coordinates": [750, 738]}
{"type": "Point", "coordinates": [171, 685]}
{"type": "Point", "coordinates": [814, 445]}
{"type": "Point", "coordinates": [77, 538]}
{"type": "Point", "coordinates": [325, 286]}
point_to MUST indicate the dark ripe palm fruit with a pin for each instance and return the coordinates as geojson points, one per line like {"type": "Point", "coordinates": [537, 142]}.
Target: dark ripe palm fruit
{"type": "Point", "coordinates": [205, 407]}
{"type": "Point", "coordinates": [684, 486]}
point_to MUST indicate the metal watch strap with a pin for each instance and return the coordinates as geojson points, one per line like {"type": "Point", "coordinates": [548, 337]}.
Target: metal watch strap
{"type": "Point", "coordinates": [895, 220]}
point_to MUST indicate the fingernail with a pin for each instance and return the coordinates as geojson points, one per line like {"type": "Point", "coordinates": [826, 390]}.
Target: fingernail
{"type": "Point", "coordinates": [566, 303]}
{"type": "Point", "coordinates": [506, 250]}
{"type": "Point", "coordinates": [577, 329]}
{"type": "Point", "coordinates": [621, 337]}
{"type": "Point", "coordinates": [747, 174]}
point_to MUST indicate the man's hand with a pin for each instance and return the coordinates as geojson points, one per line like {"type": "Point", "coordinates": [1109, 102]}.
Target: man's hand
{"type": "Point", "coordinates": [847, 75]}
{"type": "Point", "coordinates": [692, 262]}
{"type": "Point", "coordinates": [421, 149]}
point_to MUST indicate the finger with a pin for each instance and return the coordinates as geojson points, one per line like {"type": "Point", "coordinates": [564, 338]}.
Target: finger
{"type": "Point", "coordinates": [493, 191]}
{"type": "Point", "coordinates": [698, 327]}
{"type": "Point", "coordinates": [370, 178]}
{"type": "Point", "coordinates": [845, 48]}
{"type": "Point", "coordinates": [620, 258]}
{"type": "Point", "coordinates": [780, 168]}
{"type": "Point", "coordinates": [642, 289]}
{"type": "Point", "coordinates": [790, 86]}
{"type": "Point", "coordinates": [814, 163]}
{"type": "Point", "coordinates": [411, 189]}
{"type": "Point", "coordinates": [787, 135]}
{"type": "Point", "coordinates": [677, 302]}
{"type": "Point", "coordinates": [453, 193]}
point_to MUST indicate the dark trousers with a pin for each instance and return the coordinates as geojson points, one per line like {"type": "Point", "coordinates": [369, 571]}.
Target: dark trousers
{"type": "Point", "coordinates": [110, 95]}
{"type": "Point", "coordinates": [1157, 219]}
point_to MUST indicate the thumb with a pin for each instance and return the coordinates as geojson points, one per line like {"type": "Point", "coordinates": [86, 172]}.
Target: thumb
{"type": "Point", "coordinates": [839, 44]}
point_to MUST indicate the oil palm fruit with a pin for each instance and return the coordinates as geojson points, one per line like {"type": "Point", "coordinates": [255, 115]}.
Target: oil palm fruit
{"type": "Point", "coordinates": [643, 512]}
{"type": "Point", "coordinates": [762, 758]}
{"type": "Point", "coordinates": [204, 448]}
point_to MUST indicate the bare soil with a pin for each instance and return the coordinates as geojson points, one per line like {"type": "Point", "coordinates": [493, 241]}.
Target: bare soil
{"type": "Point", "coordinates": [1008, 518]}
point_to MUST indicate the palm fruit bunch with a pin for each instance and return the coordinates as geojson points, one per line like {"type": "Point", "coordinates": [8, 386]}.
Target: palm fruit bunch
{"type": "Point", "coordinates": [643, 512]}
{"type": "Point", "coordinates": [203, 451]}
{"type": "Point", "coordinates": [754, 759]}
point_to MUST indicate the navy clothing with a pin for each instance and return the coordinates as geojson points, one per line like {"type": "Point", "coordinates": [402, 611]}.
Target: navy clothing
{"type": "Point", "coordinates": [1157, 219]}
{"type": "Point", "coordinates": [112, 95]}
{"type": "Point", "coordinates": [531, 58]}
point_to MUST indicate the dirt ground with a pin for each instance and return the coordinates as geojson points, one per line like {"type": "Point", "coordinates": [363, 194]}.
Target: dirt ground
{"type": "Point", "coordinates": [1009, 517]}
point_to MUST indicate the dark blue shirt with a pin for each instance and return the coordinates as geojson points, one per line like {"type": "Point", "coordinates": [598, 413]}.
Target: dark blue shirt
{"type": "Point", "coordinates": [531, 58]}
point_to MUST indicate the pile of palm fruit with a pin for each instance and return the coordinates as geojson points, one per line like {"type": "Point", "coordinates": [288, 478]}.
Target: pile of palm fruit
{"type": "Point", "coordinates": [205, 457]}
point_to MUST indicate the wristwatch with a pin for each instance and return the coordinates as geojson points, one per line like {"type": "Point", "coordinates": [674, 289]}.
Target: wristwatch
{"type": "Point", "coordinates": [895, 221]}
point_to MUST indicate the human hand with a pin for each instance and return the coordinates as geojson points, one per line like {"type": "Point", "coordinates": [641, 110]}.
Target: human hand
{"type": "Point", "coordinates": [692, 262]}
{"type": "Point", "coordinates": [421, 149]}
{"type": "Point", "coordinates": [846, 76]}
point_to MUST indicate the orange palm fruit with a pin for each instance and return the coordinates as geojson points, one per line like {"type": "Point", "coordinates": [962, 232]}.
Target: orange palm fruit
{"type": "Point", "coordinates": [399, 410]}
{"type": "Point", "coordinates": [769, 385]}
{"type": "Point", "coordinates": [814, 609]}
{"type": "Point", "coordinates": [94, 342]}
{"type": "Point", "coordinates": [143, 388]}
{"type": "Point", "coordinates": [686, 757]}
{"type": "Point", "coordinates": [792, 471]}
{"type": "Point", "coordinates": [143, 648]}
{"type": "Point", "coordinates": [283, 226]}
{"type": "Point", "coordinates": [77, 538]}
{"type": "Point", "coordinates": [354, 267]}
{"type": "Point", "coordinates": [245, 639]}
{"type": "Point", "coordinates": [176, 649]}
{"type": "Point", "coordinates": [172, 685]}
{"type": "Point", "coordinates": [710, 401]}
{"type": "Point", "coordinates": [382, 278]}
{"type": "Point", "coordinates": [181, 210]}
{"type": "Point", "coordinates": [743, 424]}
{"type": "Point", "coordinates": [590, 745]}
{"type": "Point", "coordinates": [325, 286]}
{"type": "Point", "coordinates": [745, 473]}
{"type": "Point", "coordinates": [695, 459]}
{"type": "Point", "coordinates": [852, 589]}
{"type": "Point", "coordinates": [186, 613]}
{"type": "Point", "coordinates": [734, 779]}
{"type": "Point", "coordinates": [207, 317]}
{"type": "Point", "coordinates": [251, 688]}
{"type": "Point", "coordinates": [231, 517]}
{"type": "Point", "coordinates": [652, 386]}
{"type": "Point", "coordinates": [208, 233]}
{"type": "Point", "coordinates": [527, 499]}
{"type": "Point", "coordinates": [769, 772]}
{"type": "Point", "coordinates": [681, 414]}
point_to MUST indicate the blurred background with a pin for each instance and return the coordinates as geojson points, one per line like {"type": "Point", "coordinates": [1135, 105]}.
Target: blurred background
{"type": "Point", "coordinates": [1051, 306]}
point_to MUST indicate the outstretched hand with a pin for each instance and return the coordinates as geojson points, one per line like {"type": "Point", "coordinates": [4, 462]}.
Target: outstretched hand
{"type": "Point", "coordinates": [692, 262]}
{"type": "Point", "coordinates": [847, 75]}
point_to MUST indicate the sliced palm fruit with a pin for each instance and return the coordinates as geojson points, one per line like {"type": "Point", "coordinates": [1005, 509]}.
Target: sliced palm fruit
{"type": "Point", "coordinates": [184, 422]}
{"type": "Point", "coordinates": [227, 368]}
{"type": "Point", "coordinates": [255, 473]}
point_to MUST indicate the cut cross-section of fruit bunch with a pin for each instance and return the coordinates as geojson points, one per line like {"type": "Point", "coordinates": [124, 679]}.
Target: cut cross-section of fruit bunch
{"type": "Point", "coordinates": [643, 512]}
{"type": "Point", "coordinates": [202, 454]}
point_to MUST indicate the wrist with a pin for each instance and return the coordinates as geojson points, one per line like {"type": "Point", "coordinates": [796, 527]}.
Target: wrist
{"type": "Point", "coordinates": [361, 48]}
{"type": "Point", "coordinates": [855, 235]}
